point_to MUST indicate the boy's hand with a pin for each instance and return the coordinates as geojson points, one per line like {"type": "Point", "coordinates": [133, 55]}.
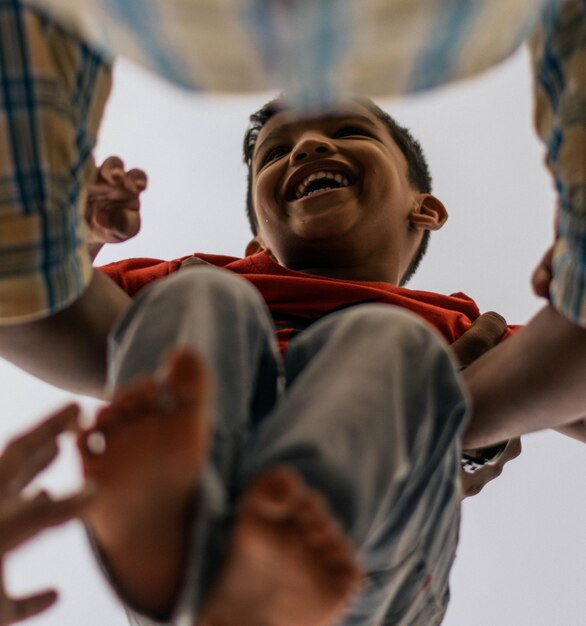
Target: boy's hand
{"type": "Point", "coordinates": [20, 517]}
{"type": "Point", "coordinates": [112, 208]}
{"type": "Point", "coordinates": [485, 333]}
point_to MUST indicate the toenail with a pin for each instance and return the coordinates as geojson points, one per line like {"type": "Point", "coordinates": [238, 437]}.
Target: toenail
{"type": "Point", "coordinates": [96, 443]}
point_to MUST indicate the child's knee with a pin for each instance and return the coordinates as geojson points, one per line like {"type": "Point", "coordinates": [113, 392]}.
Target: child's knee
{"type": "Point", "coordinates": [389, 326]}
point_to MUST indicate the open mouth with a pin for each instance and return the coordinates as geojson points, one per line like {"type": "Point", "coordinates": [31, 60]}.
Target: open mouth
{"type": "Point", "coordinates": [321, 180]}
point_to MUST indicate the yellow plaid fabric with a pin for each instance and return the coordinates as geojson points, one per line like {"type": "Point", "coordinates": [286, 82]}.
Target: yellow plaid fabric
{"type": "Point", "coordinates": [320, 50]}
{"type": "Point", "coordinates": [53, 88]}
{"type": "Point", "coordinates": [559, 56]}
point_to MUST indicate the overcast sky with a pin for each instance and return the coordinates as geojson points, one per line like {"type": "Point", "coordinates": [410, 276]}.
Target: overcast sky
{"type": "Point", "coordinates": [522, 557]}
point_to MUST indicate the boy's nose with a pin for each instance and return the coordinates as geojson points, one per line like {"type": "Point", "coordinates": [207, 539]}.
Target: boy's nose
{"type": "Point", "coordinates": [311, 146]}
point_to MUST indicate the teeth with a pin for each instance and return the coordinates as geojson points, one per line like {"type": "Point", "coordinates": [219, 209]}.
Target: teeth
{"type": "Point", "coordinates": [302, 186]}
{"type": "Point", "coordinates": [316, 190]}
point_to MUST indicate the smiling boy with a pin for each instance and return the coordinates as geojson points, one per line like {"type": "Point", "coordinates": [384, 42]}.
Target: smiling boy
{"type": "Point", "coordinates": [334, 195]}
{"type": "Point", "coordinates": [362, 400]}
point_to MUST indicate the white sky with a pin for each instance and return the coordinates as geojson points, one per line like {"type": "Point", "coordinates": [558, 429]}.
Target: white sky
{"type": "Point", "coordinates": [522, 557]}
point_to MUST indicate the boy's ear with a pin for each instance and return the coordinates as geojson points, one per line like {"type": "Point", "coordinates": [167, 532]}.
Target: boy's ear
{"type": "Point", "coordinates": [254, 246]}
{"type": "Point", "coordinates": [428, 214]}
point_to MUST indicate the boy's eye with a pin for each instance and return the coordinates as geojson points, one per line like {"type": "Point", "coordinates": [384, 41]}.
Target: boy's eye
{"type": "Point", "coordinates": [348, 131]}
{"type": "Point", "coordinates": [274, 153]}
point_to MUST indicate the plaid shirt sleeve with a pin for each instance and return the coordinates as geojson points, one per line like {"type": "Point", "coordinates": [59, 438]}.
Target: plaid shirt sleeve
{"type": "Point", "coordinates": [321, 51]}
{"type": "Point", "coordinates": [559, 58]}
{"type": "Point", "coordinates": [53, 89]}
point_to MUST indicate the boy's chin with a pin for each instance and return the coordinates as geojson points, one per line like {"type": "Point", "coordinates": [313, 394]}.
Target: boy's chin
{"type": "Point", "coordinates": [321, 234]}
{"type": "Point", "coordinates": [327, 223]}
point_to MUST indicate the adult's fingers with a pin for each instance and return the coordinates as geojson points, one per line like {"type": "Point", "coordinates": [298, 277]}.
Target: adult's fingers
{"type": "Point", "coordinates": [473, 483]}
{"type": "Point", "coordinates": [485, 333]}
{"type": "Point", "coordinates": [139, 178]}
{"type": "Point", "coordinates": [112, 169]}
{"type": "Point", "coordinates": [28, 454]}
{"type": "Point", "coordinates": [513, 449]}
{"type": "Point", "coordinates": [23, 519]}
{"type": "Point", "coordinates": [541, 278]}
{"type": "Point", "coordinates": [17, 610]}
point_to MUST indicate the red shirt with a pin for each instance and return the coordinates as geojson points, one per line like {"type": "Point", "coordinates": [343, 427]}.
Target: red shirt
{"type": "Point", "coordinates": [295, 300]}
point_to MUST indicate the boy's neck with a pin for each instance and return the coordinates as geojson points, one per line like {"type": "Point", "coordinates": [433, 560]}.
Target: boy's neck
{"type": "Point", "coordinates": [368, 272]}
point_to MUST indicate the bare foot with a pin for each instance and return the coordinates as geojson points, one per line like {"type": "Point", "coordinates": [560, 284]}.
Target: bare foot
{"type": "Point", "coordinates": [289, 563]}
{"type": "Point", "coordinates": [146, 453]}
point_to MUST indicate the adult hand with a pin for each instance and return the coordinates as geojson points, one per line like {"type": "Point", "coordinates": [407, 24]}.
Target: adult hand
{"type": "Point", "coordinates": [473, 483]}
{"type": "Point", "coordinates": [21, 518]}
{"type": "Point", "coordinates": [113, 203]}
{"type": "Point", "coordinates": [485, 333]}
{"type": "Point", "coordinates": [541, 278]}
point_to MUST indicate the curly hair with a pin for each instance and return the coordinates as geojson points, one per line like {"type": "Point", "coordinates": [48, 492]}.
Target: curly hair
{"type": "Point", "coordinates": [417, 167]}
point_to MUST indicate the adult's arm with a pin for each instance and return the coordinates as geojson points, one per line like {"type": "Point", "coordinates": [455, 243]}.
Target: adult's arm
{"type": "Point", "coordinates": [47, 135]}
{"type": "Point", "coordinates": [532, 381]}
{"type": "Point", "coordinates": [536, 379]}
{"type": "Point", "coordinates": [69, 349]}
{"type": "Point", "coordinates": [575, 430]}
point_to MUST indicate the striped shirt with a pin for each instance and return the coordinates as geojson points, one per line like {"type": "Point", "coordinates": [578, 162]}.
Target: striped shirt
{"type": "Point", "coordinates": [559, 61]}
{"type": "Point", "coordinates": [322, 50]}
{"type": "Point", "coordinates": [53, 88]}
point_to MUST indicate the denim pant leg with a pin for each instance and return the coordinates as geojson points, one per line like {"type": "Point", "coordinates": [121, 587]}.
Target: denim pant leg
{"type": "Point", "coordinates": [224, 319]}
{"type": "Point", "coordinates": [370, 418]}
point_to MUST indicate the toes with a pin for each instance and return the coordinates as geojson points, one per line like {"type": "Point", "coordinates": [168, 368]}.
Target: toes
{"type": "Point", "coordinates": [187, 377]}
{"type": "Point", "coordinates": [311, 509]}
{"type": "Point", "coordinates": [325, 536]}
{"type": "Point", "coordinates": [133, 401]}
{"type": "Point", "coordinates": [275, 493]}
{"type": "Point", "coordinates": [314, 517]}
{"type": "Point", "coordinates": [346, 579]}
{"type": "Point", "coordinates": [323, 533]}
{"type": "Point", "coordinates": [340, 554]}
{"type": "Point", "coordinates": [105, 417]}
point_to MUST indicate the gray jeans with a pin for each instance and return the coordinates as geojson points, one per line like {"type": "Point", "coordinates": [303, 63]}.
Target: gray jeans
{"type": "Point", "coordinates": [365, 404]}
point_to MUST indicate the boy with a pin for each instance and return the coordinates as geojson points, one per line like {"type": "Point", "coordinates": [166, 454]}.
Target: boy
{"type": "Point", "coordinates": [363, 402]}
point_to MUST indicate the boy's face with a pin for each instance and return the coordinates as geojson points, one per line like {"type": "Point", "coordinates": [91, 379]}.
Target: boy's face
{"type": "Point", "coordinates": [333, 190]}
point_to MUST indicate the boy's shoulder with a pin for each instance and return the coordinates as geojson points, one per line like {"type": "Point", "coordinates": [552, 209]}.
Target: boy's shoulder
{"type": "Point", "coordinates": [287, 291]}
{"type": "Point", "coordinates": [135, 273]}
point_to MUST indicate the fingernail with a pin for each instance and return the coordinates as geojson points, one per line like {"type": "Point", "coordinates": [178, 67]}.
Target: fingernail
{"type": "Point", "coordinates": [96, 443]}
{"type": "Point", "coordinates": [86, 418]}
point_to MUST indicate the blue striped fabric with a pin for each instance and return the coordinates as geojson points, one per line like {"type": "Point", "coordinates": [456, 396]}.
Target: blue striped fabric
{"type": "Point", "coordinates": [439, 57]}
{"type": "Point", "coordinates": [47, 135]}
{"type": "Point", "coordinates": [559, 50]}
{"type": "Point", "coordinates": [320, 51]}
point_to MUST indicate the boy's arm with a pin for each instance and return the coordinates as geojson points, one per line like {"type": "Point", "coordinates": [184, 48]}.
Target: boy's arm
{"type": "Point", "coordinates": [112, 210]}
{"type": "Point", "coordinates": [69, 349]}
